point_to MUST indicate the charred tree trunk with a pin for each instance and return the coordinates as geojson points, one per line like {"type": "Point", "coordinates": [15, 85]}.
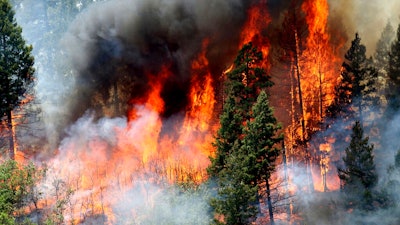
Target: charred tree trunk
{"type": "Point", "coordinates": [11, 134]}
{"type": "Point", "coordinates": [298, 75]}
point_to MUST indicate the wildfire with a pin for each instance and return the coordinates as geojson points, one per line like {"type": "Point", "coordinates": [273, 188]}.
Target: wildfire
{"type": "Point", "coordinates": [313, 79]}
{"type": "Point", "coordinates": [102, 161]}
{"type": "Point", "coordinates": [113, 154]}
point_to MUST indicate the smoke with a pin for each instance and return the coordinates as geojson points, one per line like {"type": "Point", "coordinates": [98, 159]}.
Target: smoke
{"type": "Point", "coordinates": [368, 18]}
{"type": "Point", "coordinates": [108, 163]}
{"type": "Point", "coordinates": [153, 204]}
{"type": "Point", "coordinates": [127, 43]}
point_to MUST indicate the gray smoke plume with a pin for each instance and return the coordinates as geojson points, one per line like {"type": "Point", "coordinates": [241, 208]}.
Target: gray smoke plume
{"type": "Point", "coordinates": [368, 18]}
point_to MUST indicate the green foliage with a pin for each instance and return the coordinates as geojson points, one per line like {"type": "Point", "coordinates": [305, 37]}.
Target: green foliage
{"type": "Point", "coordinates": [16, 62]}
{"type": "Point", "coordinates": [230, 130]}
{"type": "Point", "coordinates": [242, 87]}
{"type": "Point", "coordinates": [245, 142]}
{"type": "Point", "coordinates": [17, 188]}
{"type": "Point", "coordinates": [246, 79]}
{"type": "Point", "coordinates": [260, 139]}
{"type": "Point", "coordinates": [394, 75]}
{"type": "Point", "coordinates": [6, 219]}
{"type": "Point", "coordinates": [357, 86]}
{"type": "Point", "coordinates": [358, 176]}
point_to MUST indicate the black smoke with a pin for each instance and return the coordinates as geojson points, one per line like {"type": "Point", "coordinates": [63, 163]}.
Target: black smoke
{"type": "Point", "coordinates": [119, 42]}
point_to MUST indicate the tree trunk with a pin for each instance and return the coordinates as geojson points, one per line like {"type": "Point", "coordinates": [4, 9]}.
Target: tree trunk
{"type": "Point", "coordinates": [286, 180]}
{"type": "Point", "coordinates": [11, 135]}
{"type": "Point", "coordinates": [116, 99]}
{"type": "Point", "coordinates": [302, 111]}
{"type": "Point", "coordinates": [270, 210]}
{"type": "Point", "coordinates": [298, 73]}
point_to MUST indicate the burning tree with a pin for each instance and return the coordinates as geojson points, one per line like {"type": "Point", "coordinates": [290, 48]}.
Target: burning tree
{"type": "Point", "coordinates": [16, 66]}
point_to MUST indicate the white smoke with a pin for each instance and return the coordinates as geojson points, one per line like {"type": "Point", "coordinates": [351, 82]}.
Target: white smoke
{"type": "Point", "coordinates": [368, 18]}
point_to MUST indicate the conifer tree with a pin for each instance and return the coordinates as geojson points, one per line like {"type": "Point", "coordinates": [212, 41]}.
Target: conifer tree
{"type": "Point", "coordinates": [260, 146]}
{"type": "Point", "coordinates": [249, 167]}
{"type": "Point", "coordinates": [394, 75]}
{"type": "Point", "coordinates": [242, 86]}
{"type": "Point", "coordinates": [16, 66]}
{"type": "Point", "coordinates": [358, 177]}
{"type": "Point", "coordinates": [381, 56]}
{"type": "Point", "coordinates": [246, 79]}
{"type": "Point", "coordinates": [230, 130]}
{"type": "Point", "coordinates": [243, 160]}
{"type": "Point", "coordinates": [356, 89]}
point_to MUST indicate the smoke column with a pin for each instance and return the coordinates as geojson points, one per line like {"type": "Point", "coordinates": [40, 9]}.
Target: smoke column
{"type": "Point", "coordinates": [125, 40]}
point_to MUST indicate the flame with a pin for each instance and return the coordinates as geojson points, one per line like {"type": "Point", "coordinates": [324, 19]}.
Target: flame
{"type": "Point", "coordinates": [320, 73]}
{"type": "Point", "coordinates": [320, 64]}
{"type": "Point", "coordinates": [112, 156]}
{"type": "Point", "coordinates": [257, 22]}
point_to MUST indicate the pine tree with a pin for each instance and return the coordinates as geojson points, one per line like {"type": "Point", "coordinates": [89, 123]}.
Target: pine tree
{"type": "Point", "coordinates": [394, 75]}
{"type": "Point", "coordinates": [246, 79]}
{"type": "Point", "coordinates": [260, 146]}
{"type": "Point", "coordinates": [16, 66]}
{"type": "Point", "coordinates": [237, 167]}
{"type": "Point", "coordinates": [229, 132]}
{"type": "Point", "coordinates": [242, 86]}
{"type": "Point", "coordinates": [357, 88]}
{"type": "Point", "coordinates": [249, 167]}
{"type": "Point", "coordinates": [381, 56]}
{"type": "Point", "coordinates": [237, 194]}
{"type": "Point", "coordinates": [358, 177]}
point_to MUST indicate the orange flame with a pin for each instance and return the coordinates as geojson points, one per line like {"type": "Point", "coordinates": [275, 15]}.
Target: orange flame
{"type": "Point", "coordinates": [320, 70]}
{"type": "Point", "coordinates": [257, 22]}
{"type": "Point", "coordinates": [96, 164]}
{"type": "Point", "coordinates": [321, 65]}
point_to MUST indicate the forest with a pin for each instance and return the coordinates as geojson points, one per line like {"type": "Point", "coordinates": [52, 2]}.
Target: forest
{"type": "Point", "coordinates": [234, 112]}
